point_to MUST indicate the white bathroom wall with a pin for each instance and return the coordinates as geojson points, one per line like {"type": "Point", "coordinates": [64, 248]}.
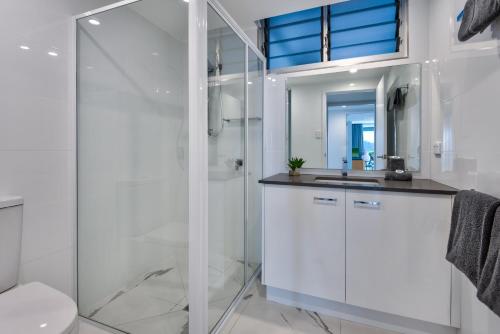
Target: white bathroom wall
{"type": "Point", "coordinates": [37, 132]}
{"type": "Point", "coordinates": [465, 118]}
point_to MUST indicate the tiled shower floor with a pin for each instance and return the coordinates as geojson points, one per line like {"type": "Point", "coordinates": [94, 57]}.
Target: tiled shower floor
{"type": "Point", "coordinates": [158, 304]}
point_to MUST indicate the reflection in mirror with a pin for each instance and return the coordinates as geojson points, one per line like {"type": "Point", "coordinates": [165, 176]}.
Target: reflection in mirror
{"type": "Point", "coordinates": [362, 117]}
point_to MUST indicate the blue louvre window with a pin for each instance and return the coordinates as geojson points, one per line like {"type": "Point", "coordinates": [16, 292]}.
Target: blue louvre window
{"type": "Point", "coordinates": [294, 39]}
{"type": "Point", "coordinates": [356, 28]}
{"type": "Point", "coordinates": [361, 28]}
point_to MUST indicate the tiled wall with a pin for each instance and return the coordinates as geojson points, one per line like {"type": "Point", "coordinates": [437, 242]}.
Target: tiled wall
{"type": "Point", "coordinates": [275, 147]}
{"type": "Point", "coordinates": [465, 110]}
{"type": "Point", "coordinates": [37, 132]}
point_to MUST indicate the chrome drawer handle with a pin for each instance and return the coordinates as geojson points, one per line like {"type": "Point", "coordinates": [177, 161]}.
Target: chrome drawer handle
{"type": "Point", "coordinates": [325, 200]}
{"type": "Point", "coordinates": [367, 204]}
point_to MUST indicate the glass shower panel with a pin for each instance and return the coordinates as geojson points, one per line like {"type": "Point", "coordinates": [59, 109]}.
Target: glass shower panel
{"type": "Point", "coordinates": [132, 111]}
{"type": "Point", "coordinates": [226, 165]}
{"type": "Point", "coordinates": [254, 165]}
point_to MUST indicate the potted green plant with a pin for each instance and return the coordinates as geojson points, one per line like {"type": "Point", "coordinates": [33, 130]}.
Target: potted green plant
{"type": "Point", "coordinates": [295, 164]}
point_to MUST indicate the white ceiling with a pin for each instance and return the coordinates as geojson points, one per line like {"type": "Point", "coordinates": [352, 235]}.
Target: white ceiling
{"type": "Point", "coordinates": [246, 12]}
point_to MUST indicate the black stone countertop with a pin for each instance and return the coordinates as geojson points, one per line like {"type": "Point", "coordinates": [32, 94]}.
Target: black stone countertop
{"type": "Point", "coordinates": [421, 186]}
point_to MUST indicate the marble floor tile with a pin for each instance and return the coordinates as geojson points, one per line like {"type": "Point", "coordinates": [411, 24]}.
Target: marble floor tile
{"type": "Point", "coordinates": [163, 292]}
{"type": "Point", "coordinates": [171, 323]}
{"type": "Point", "coordinates": [256, 314]}
{"type": "Point", "coordinates": [129, 306]}
{"type": "Point", "coordinates": [168, 286]}
{"type": "Point", "coordinates": [275, 318]}
{"type": "Point", "coordinates": [181, 305]}
{"type": "Point", "coordinates": [224, 285]}
{"type": "Point", "coordinates": [355, 328]}
{"type": "Point", "coordinates": [216, 310]}
{"type": "Point", "coordinates": [86, 328]}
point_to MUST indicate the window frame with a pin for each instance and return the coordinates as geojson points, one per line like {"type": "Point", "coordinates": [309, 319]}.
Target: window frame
{"type": "Point", "coordinates": [401, 54]}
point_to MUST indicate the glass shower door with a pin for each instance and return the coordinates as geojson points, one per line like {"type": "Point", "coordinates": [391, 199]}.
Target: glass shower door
{"type": "Point", "coordinates": [254, 163]}
{"type": "Point", "coordinates": [132, 113]}
{"type": "Point", "coordinates": [226, 166]}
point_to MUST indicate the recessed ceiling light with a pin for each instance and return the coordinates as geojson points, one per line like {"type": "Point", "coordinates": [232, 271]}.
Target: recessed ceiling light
{"type": "Point", "coordinates": [24, 47]}
{"type": "Point", "coordinates": [434, 60]}
{"type": "Point", "coordinates": [53, 53]}
{"type": "Point", "coordinates": [427, 61]}
{"type": "Point", "coordinates": [94, 22]}
{"type": "Point", "coordinates": [273, 80]}
{"type": "Point", "coordinates": [250, 83]}
{"type": "Point", "coordinates": [353, 70]}
{"type": "Point", "coordinates": [352, 84]}
{"type": "Point", "coordinates": [344, 106]}
{"type": "Point", "coordinates": [43, 325]}
{"type": "Point", "coordinates": [185, 0]}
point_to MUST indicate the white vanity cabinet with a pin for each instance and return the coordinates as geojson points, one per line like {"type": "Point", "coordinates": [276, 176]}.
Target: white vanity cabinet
{"type": "Point", "coordinates": [395, 253]}
{"type": "Point", "coordinates": [379, 250]}
{"type": "Point", "coordinates": [305, 240]}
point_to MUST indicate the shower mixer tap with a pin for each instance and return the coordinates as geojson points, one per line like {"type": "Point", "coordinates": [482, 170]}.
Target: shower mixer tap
{"type": "Point", "coordinates": [238, 163]}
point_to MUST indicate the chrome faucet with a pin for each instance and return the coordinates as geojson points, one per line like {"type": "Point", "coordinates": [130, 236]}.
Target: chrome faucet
{"type": "Point", "coordinates": [344, 167]}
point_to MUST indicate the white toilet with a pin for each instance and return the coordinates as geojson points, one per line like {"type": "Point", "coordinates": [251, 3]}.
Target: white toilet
{"type": "Point", "coordinates": [33, 307]}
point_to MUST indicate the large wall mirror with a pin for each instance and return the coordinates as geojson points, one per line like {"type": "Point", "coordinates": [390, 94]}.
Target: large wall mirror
{"type": "Point", "coordinates": [362, 116]}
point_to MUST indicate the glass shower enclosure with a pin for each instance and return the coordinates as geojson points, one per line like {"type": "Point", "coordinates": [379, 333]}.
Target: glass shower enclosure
{"type": "Point", "coordinates": [133, 143]}
{"type": "Point", "coordinates": [235, 87]}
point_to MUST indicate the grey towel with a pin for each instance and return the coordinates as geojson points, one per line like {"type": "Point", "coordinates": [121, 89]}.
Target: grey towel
{"type": "Point", "coordinates": [471, 223]}
{"type": "Point", "coordinates": [478, 15]}
{"type": "Point", "coordinates": [488, 288]}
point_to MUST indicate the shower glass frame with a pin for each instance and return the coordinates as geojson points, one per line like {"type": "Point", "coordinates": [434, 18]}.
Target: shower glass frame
{"type": "Point", "coordinates": [198, 168]}
{"type": "Point", "coordinates": [249, 274]}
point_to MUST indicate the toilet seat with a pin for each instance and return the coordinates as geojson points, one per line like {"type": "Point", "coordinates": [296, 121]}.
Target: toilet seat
{"type": "Point", "coordinates": [36, 308]}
